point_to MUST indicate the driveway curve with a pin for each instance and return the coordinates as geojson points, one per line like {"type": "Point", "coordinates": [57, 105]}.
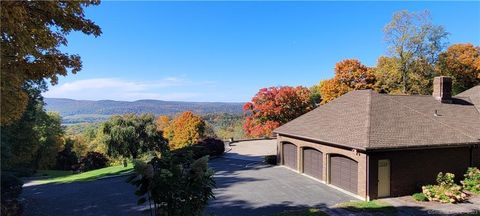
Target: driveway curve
{"type": "Point", "coordinates": [245, 186]}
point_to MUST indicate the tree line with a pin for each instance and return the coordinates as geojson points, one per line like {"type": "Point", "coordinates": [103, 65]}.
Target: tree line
{"type": "Point", "coordinates": [417, 52]}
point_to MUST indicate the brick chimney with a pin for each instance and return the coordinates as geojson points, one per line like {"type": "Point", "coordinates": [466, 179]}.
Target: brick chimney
{"type": "Point", "coordinates": [442, 89]}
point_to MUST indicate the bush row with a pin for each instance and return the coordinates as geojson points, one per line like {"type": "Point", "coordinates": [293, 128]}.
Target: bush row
{"type": "Point", "coordinates": [67, 160]}
{"type": "Point", "coordinates": [209, 146]}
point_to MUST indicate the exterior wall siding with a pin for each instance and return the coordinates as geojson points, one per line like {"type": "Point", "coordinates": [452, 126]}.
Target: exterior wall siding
{"type": "Point", "coordinates": [327, 150]}
{"type": "Point", "coordinates": [411, 169]}
{"type": "Point", "coordinates": [476, 156]}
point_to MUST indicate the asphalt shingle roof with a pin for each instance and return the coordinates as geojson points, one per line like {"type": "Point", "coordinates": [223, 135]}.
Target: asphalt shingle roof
{"type": "Point", "coordinates": [365, 119]}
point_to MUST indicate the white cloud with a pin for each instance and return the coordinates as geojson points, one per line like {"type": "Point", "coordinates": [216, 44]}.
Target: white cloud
{"type": "Point", "coordinates": [169, 88]}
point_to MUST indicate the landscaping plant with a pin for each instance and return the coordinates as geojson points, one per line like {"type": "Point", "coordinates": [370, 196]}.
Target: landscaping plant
{"type": "Point", "coordinates": [92, 161]}
{"type": "Point", "coordinates": [472, 180]}
{"type": "Point", "coordinates": [419, 197]}
{"type": "Point", "coordinates": [11, 190]}
{"type": "Point", "coordinates": [446, 191]}
{"type": "Point", "coordinates": [175, 184]}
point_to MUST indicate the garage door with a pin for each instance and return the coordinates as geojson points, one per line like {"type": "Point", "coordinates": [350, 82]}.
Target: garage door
{"type": "Point", "coordinates": [344, 173]}
{"type": "Point", "coordinates": [290, 155]}
{"type": "Point", "coordinates": [312, 163]}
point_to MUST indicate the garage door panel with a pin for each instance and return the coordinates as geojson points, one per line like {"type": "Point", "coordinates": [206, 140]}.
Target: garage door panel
{"type": "Point", "coordinates": [290, 155]}
{"type": "Point", "coordinates": [312, 163]}
{"type": "Point", "coordinates": [344, 173]}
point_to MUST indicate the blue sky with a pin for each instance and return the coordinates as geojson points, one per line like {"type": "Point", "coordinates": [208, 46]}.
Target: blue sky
{"type": "Point", "coordinates": [226, 51]}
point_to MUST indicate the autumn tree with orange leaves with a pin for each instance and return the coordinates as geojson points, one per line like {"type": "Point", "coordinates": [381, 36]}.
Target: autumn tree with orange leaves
{"type": "Point", "coordinates": [274, 106]}
{"type": "Point", "coordinates": [184, 130]}
{"type": "Point", "coordinates": [462, 63]}
{"type": "Point", "coordinates": [350, 74]}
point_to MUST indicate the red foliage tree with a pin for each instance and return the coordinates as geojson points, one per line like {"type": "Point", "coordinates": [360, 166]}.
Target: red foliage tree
{"type": "Point", "coordinates": [274, 106]}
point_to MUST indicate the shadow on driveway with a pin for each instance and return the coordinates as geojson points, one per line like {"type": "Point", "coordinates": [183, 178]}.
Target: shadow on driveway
{"type": "Point", "coordinates": [253, 188]}
{"type": "Point", "coordinates": [111, 196]}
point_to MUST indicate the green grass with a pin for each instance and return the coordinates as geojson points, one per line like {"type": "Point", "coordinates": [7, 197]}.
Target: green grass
{"type": "Point", "coordinates": [371, 206]}
{"type": "Point", "coordinates": [56, 176]}
{"type": "Point", "coordinates": [304, 212]}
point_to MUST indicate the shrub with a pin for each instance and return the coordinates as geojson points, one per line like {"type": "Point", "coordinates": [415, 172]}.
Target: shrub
{"type": "Point", "coordinates": [210, 147]}
{"type": "Point", "coordinates": [446, 191]}
{"type": "Point", "coordinates": [472, 180]}
{"type": "Point", "coordinates": [271, 159]}
{"type": "Point", "coordinates": [11, 190]}
{"type": "Point", "coordinates": [419, 197]}
{"type": "Point", "coordinates": [176, 184]}
{"type": "Point", "coordinates": [92, 161]}
{"type": "Point", "coordinates": [214, 146]}
{"type": "Point", "coordinates": [67, 159]}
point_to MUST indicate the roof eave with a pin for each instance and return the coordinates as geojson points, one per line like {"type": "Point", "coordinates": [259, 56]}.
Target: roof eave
{"type": "Point", "coordinates": [429, 146]}
{"type": "Point", "coordinates": [319, 141]}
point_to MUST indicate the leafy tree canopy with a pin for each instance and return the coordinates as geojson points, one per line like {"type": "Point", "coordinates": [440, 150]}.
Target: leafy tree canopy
{"type": "Point", "coordinates": [33, 141]}
{"type": "Point", "coordinates": [184, 130]}
{"type": "Point", "coordinates": [32, 33]}
{"type": "Point", "coordinates": [274, 106]}
{"type": "Point", "coordinates": [462, 63]}
{"type": "Point", "coordinates": [350, 74]}
{"type": "Point", "coordinates": [415, 44]}
{"type": "Point", "coordinates": [130, 135]}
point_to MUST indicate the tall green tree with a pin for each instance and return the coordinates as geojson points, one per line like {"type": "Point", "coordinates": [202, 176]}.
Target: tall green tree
{"type": "Point", "coordinates": [131, 135]}
{"type": "Point", "coordinates": [415, 43]}
{"type": "Point", "coordinates": [32, 33]}
{"type": "Point", "coordinates": [34, 140]}
{"type": "Point", "coordinates": [50, 133]}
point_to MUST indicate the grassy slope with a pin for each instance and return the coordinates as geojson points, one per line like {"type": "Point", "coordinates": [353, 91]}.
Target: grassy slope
{"type": "Point", "coordinates": [67, 177]}
{"type": "Point", "coordinates": [371, 206]}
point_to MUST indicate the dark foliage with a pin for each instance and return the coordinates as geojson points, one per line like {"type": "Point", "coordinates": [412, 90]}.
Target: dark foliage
{"type": "Point", "coordinates": [92, 161]}
{"type": "Point", "coordinates": [11, 190]}
{"type": "Point", "coordinates": [67, 159]}
{"type": "Point", "coordinates": [209, 146]}
{"type": "Point", "coordinates": [175, 184]}
{"type": "Point", "coordinates": [271, 159]}
{"type": "Point", "coordinates": [214, 146]}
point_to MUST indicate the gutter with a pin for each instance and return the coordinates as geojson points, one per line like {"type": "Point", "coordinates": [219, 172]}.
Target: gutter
{"type": "Point", "coordinates": [378, 149]}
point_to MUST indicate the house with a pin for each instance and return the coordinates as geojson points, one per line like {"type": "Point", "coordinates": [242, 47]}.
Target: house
{"type": "Point", "coordinates": [374, 145]}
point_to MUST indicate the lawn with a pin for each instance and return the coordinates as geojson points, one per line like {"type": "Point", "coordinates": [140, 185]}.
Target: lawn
{"type": "Point", "coordinates": [58, 176]}
{"type": "Point", "coordinates": [373, 206]}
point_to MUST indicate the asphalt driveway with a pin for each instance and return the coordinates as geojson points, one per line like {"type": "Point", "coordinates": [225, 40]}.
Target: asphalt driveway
{"type": "Point", "coordinates": [243, 188]}
{"type": "Point", "coordinates": [253, 188]}
{"type": "Point", "coordinates": [112, 196]}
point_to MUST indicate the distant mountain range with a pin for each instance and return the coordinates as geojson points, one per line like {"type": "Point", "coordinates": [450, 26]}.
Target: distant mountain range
{"type": "Point", "coordinates": [78, 111]}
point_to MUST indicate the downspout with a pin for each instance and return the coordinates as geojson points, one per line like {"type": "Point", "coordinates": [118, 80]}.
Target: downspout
{"type": "Point", "coordinates": [367, 196]}
{"type": "Point", "coordinates": [471, 156]}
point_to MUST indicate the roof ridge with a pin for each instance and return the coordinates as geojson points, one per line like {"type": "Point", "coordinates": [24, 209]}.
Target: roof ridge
{"type": "Point", "coordinates": [369, 108]}
{"type": "Point", "coordinates": [444, 124]}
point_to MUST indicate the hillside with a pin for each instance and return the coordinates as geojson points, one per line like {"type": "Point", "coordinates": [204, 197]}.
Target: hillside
{"type": "Point", "coordinates": [78, 111]}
